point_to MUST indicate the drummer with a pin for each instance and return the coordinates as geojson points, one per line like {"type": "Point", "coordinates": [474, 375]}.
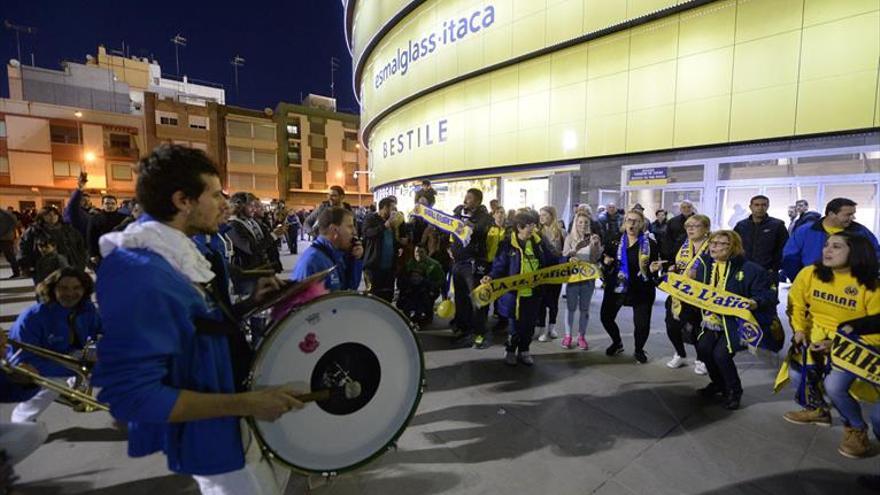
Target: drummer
{"type": "Point", "coordinates": [164, 364]}
{"type": "Point", "coordinates": [336, 246]}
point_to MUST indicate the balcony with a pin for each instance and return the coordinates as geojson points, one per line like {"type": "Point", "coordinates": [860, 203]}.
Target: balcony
{"type": "Point", "coordinates": [120, 152]}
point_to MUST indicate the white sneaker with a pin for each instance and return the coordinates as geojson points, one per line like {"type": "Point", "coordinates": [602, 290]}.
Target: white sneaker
{"type": "Point", "coordinates": [676, 362]}
{"type": "Point", "coordinates": [700, 368]}
{"type": "Point", "coordinates": [544, 337]}
{"type": "Point", "coordinates": [551, 331]}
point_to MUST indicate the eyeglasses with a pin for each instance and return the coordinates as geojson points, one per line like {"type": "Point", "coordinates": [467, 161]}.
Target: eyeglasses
{"type": "Point", "coordinates": [719, 244]}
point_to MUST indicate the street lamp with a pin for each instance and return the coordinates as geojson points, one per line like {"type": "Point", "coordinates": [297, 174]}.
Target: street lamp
{"type": "Point", "coordinates": [89, 156]}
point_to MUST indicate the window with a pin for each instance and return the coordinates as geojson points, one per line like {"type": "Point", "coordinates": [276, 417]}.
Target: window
{"type": "Point", "coordinates": [4, 165]}
{"type": "Point", "coordinates": [319, 177]}
{"type": "Point", "coordinates": [266, 132]}
{"type": "Point", "coordinates": [264, 157]}
{"type": "Point", "coordinates": [238, 129]}
{"type": "Point", "coordinates": [293, 128]}
{"type": "Point", "coordinates": [296, 178]}
{"type": "Point", "coordinates": [64, 134]}
{"type": "Point", "coordinates": [293, 154]}
{"type": "Point", "coordinates": [352, 136]}
{"type": "Point", "coordinates": [66, 168]}
{"type": "Point", "coordinates": [316, 125]}
{"type": "Point", "coordinates": [120, 141]}
{"type": "Point", "coordinates": [198, 122]}
{"type": "Point", "coordinates": [316, 141]}
{"type": "Point", "coordinates": [349, 124]}
{"type": "Point", "coordinates": [166, 118]}
{"type": "Point", "coordinates": [241, 182]}
{"type": "Point", "coordinates": [241, 155]}
{"type": "Point", "coordinates": [121, 171]}
{"type": "Point", "coordinates": [265, 182]}
{"type": "Point", "coordinates": [2, 128]}
{"type": "Point", "coordinates": [319, 153]}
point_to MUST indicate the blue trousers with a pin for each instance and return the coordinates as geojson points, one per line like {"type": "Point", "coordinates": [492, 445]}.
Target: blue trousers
{"type": "Point", "coordinates": [837, 385]}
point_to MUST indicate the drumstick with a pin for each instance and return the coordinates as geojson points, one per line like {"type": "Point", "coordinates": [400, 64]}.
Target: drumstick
{"type": "Point", "coordinates": [351, 390]}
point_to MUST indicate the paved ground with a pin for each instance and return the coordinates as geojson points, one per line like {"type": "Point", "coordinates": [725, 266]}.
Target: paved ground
{"type": "Point", "coordinates": [576, 423]}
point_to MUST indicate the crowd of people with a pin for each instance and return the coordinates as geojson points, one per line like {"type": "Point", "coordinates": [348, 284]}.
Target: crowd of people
{"type": "Point", "coordinates": [173, 362]}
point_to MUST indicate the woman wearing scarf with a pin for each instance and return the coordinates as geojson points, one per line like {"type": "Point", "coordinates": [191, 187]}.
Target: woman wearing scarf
{"type": "Point", "coordinates": [842, 286]}
{"type": "Point", "coordinates": [683, 318]}
{"type": "Point", "coordinates": [629, 281]}
{"type": "Point", "coordinates": [726, 269]}
{"type": "Point", "coordinates": [554, 235]}
{"type": "Point", "coordinates": [522, 251]}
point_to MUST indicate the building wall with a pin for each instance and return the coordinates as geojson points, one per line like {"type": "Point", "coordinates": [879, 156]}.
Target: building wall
{"type": "Point", "coordinates": [250, 152]}
{"type": "Point", "coordinates": [326, 157]}
{"type": "Point", "coordinates": [132, 70]}
{"type": "Point", "coordinates": [669, 77]}
{"type": "Point", "coordinates": [182, 133]}
{"type": "Point", "coordinates": [78, 85]}
{"type": "Point", "coordinates": [42, 167]}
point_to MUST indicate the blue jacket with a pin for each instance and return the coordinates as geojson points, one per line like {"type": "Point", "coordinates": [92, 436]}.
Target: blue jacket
{"type": "Point", "coordinates": [508, 261]}
{"type": "Point", "coordinates": [804, 247]}
{"type": "Point", "coordinates": [45, 325]}
{"type": "Point", "coordinates": [748, 279]}
{"type": "Point", "coordinates": [151, 351]}
{"type": "Point", "coordinates": [314, 259]}
{"type": "Point", "coordinates": [74, 214]}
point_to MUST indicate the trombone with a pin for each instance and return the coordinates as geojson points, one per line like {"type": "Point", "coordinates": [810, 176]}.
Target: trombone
{"type": "Point", "coordinates": [79, 397]}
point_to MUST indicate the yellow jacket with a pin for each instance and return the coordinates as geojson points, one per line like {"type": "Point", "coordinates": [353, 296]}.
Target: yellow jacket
{"type": "Point", "coordinates": [493, 238]}
{"type": "Point", "coordinates": [818, 307]}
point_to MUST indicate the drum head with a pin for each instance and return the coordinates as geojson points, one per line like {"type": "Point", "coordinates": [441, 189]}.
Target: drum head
{"type": "Point", "coordinates": [339, 338]}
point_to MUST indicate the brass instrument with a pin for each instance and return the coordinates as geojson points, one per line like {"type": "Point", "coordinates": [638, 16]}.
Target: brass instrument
{"type": "Point", "coordinates": [79, 397]}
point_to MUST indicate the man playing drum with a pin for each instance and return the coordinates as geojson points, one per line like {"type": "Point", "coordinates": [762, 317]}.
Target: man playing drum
{"type": "Point", "coordinates": [163, 365]}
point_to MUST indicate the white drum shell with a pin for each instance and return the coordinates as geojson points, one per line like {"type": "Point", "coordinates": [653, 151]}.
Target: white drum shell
{"type": "Point", "coordinates": [312, 440]}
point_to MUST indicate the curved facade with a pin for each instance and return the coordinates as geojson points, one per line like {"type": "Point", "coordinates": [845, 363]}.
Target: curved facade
{"type": "Point", "coordinates": [519, 82]}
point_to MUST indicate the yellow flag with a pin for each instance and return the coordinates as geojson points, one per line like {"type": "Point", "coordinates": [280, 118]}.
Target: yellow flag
{"type": "Point", "coordinates": [444, 222]}
{"type": "Point", "coordinates": [565, 273]}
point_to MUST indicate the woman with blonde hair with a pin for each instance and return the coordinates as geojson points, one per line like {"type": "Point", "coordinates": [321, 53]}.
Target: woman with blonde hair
{"type": "Point", "coordinates": [629, 274]}
{"type": "Point", "coordinates": [582, 244]}
{"type": "Point", "coordinates": [554, 235]}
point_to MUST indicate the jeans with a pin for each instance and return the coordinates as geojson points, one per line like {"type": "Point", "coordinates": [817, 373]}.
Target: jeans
{"type": "Point", "coordinates": [712, 350]}
{"type": "Point", "coordinates": [523, 329]}
{"type": "Point", "coordinates": [611, 305]}
{"type": "Point", "coordinates": [837, 385]}
{"type": "Point", "coordinates": [577, 297]}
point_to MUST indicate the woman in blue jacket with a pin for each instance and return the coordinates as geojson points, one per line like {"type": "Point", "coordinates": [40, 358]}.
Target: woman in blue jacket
{"type": "Point", "coordinates": [521, 251]}
{"type": "Point", "coordinates": [64, 321]}
{"type": "Point", "coordinates": [727, 269]}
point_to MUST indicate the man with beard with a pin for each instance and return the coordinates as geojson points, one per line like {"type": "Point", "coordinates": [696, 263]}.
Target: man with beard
{"type": "Point", "coordinates": [164, 362]}
{"type": "Point", "coordinates": [469, 266]}
{"type": "Point", "coordinates": [101, 223]}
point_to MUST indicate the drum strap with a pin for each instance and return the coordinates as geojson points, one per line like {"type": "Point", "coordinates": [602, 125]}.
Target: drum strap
{"type": "Point", "coordinates": [240, 351]}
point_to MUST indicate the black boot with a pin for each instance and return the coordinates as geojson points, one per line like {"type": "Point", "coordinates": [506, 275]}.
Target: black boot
{"type": "Point", "coordinates": [731, 401]}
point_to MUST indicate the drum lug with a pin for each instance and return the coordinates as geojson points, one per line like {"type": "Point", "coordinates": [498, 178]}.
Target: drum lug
{"type": "Point", "coordinates": [392, 446]}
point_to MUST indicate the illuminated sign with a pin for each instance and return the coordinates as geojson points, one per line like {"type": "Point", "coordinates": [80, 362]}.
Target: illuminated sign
{"type": "Point", "coordinates": [648, 176]}
{"type": "Point", "coordinates": [451, 31]}
{"type": "Point", "coordinates": [411, 139]}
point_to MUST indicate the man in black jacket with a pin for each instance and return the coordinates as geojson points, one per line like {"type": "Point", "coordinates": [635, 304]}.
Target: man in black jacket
{"type": "Point", "coordinates": [336, 197]}
{"type": "Point", "coordinates": [380, 249]}
{"type": "Point", "coordinates": [804, 215]}
{"type": "Point", "coordinates": [101, 223]}
{"type": "Point", "coordinates": [675, 233]}
{"type": "Point", "coordinates": [469, 266]}
{"type": "Point", "coordinates": [763, 237]}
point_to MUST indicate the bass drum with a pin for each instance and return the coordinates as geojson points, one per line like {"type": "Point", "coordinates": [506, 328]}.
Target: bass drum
{"type": "Point", "coordinates": [333, 340]}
